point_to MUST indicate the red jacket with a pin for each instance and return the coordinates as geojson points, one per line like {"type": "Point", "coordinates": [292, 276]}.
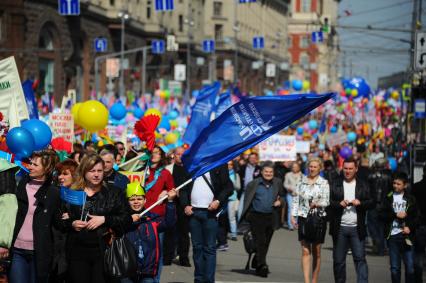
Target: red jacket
{"type": "Point", "coordinates": [164, 182]}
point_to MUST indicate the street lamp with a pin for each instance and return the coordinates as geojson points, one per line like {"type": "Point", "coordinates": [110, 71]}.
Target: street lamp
{"type": "Point", "coordinates": [190, 23]}
{"type": "Point", "coordinates": [123, 16]}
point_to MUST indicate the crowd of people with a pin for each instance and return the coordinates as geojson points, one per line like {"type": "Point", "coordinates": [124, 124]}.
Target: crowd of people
{"type": "Point", "coordinates": [57, 241]}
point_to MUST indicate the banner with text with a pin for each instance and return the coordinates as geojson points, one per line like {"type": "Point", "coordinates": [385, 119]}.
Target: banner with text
{"type": "Point", "coordinates": [278, 148]}
{"type": "Point", "coordinates": [62, 125]}
{"type": "Point", "coordinates": [133, 176]}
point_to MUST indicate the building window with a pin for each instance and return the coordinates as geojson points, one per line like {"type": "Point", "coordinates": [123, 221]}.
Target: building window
{"type": "Point", "coordinates": [218, 32]}
{"type": "Point", "coordinates": [148, 10]}
{"type": "Point", "coordinates": [304, 41]}
{"type": "Point", "coordinates": [217, 8]}
{"type": "Point", "coordinates": [306, 6]}
{"type": "Point", "coordinates": [112, 2]}
{"type": "Point", "coordinates": [45, 41]}
{"type": "Point", "coordinates": [304, 60]}
{"type": "Point", "coordinates": [180, 23]}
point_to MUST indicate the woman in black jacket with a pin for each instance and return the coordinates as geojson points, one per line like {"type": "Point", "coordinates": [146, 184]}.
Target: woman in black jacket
{"type": "Point", "coordinates": [104, 208]}
{"type": "Point", "coordinates": [38, 203]}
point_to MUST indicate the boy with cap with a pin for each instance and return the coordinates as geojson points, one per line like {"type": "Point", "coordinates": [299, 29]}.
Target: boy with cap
{"type": "Point", "coordinates": [400, 214]}
{"type": "Point", "coordinates": [143, 234]}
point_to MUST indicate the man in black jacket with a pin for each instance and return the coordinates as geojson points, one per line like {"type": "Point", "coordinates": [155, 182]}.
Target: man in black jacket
{"type": "Point", "coordinates": [419, 193]}
{"type": "Point", "coordinates": [350, 198]}
{"type": "Point", "coordinates": [203, 202]}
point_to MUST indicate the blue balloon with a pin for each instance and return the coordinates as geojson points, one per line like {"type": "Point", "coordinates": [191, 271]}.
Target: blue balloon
{"type": "Point", "coordinates": [165, 123]}
{"type": "Point", "coordinates": [138, 113]}
{"type": "Point", "coordinates": [351, 136]}
{"type": "Point", "coordinates": [299, 130]}
{"type": "Point", "coordinates": [313, 124]}
{"type": "Point", "coordinates": [359, 84]}
{"type": "Point", "coordinates": [345, 152]}
{"type": "Point", "coordinates": [321, 146]}
{"type": "Point", "coordinates": [333, 130]}
{"type": "Point", "coordinates": [297, 85]}
{"type": "Point", "coordinates": [20, 142]}
{"type": "Point", "coordinates": [393, 164]}
{"type": "Point", "coordinates": [40, 131]}
{"type": "Point", "coordinates": [173, 114]}
{"type": "Point", "coordinates": [117, 111]}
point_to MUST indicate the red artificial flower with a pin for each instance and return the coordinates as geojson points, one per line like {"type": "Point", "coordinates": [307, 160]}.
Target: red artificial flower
{"type": "Point", "coordinates": [145, 130]}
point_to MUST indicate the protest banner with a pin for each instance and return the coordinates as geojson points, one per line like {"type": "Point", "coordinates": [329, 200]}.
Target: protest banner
{"type": "Point", "coordinates": [303, 147]}
{"type": "Point", "coordinates": [12, 99]}
{"type": "Point", "coordinates": [134, 176]}
{"type": "Point", "coordinates": [336, 139]}
{"type": "Point", "coordinates": [62, 125]}
{"type": "Point", "coordinates": [278, 148]}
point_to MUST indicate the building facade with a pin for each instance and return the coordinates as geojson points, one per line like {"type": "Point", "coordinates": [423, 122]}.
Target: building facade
{"type": "Point", "coordinates": [59, 50]}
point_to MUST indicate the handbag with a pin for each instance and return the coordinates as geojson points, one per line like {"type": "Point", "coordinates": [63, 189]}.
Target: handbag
{"type": "Point", "coordinates": [120, 260]}
{"type": "Point", "coordinates": [315, 226]}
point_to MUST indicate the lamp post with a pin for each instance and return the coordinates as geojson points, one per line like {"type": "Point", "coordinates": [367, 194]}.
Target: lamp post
{"type": "Point", "coordinates": [236, 30]}
{"type": "Point", "coordinates": [188, 21]}
{"type": "Point", "coordinates": [123, 16]}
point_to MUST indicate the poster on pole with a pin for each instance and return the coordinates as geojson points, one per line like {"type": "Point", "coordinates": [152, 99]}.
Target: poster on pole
{"type": "Point", "coordinates": [12, 99]}
{"type": "Point", "coordinates": [278, 148]}
{"type": "Point", "coordinates": [62, 125]}
{"type": "Point", "coordinates": [112, 67]}
{"type": "Point", "coordinates": [336, 139]}
{"type": "Point", "coordinates": [133, 176]}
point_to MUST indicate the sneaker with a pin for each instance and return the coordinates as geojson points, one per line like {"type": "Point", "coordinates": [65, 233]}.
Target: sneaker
{"type": "Point", "coordinates": [349, 252]}
{"type": "Point", "coordinates": [262, 271]}
{"type": "Point", "coordinates": [223, 248]}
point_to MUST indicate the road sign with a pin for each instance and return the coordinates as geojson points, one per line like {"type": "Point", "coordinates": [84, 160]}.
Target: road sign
{"type": "Point", "coordinates": [258, 42]}
{"type": "Point", "coordinates": [246, 1]}
{"type": "Point", "coordinates": [271, 70]}
{"type": "Point", "coordinates": [228, 70]}
{"type": "Point", "coordinates": [420, 51]}
{"type": "Point", "coordinates": [164, 5]}
{"type": "Point", "coordinates": [112, 67]}
{"type": "Point", "coordinates": [317, 36]}
{"type": "Point", "coordinates": [180, 72]}
{"type": "Point", "coordinates": [100, 44]}
{"type": "Point", "coordinates": [171, 43]}
{"type": "Point", "coordinates": [420, 108]}
{"type": "Point", "coordinates": [158, 46]}
{"type": "Point", "coordinates": [69, 7]}
{"type": "Point", "coordinates": [208, 46]}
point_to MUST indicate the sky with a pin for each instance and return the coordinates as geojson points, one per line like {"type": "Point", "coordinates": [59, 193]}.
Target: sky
{"type": "Point", "coordinates": [371, 53]}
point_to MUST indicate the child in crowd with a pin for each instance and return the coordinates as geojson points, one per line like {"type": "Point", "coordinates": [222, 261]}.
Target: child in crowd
{"type": "Point", "coordinates": [144, 232]}
{"type": "Point", "coordinates": [400, 213]}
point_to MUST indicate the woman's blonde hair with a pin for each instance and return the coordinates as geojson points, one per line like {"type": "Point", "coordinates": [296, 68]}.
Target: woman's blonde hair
{"type": "Point", "coordinates": [87, 163]}
{"type": "Point", "coordinates": [316, 159]}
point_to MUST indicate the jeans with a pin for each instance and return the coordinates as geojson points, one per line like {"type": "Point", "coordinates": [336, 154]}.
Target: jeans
{"type": "Point", "coordinates": [160, 262]}
{"type": "Point", "coordinates": [262, 227]}
{"type": "Point", "coordinates": [398, 250]}
{"type": "Point", "coordinates": [232, 216]}
{"type": "Point", "coordinates": [23, 267]}
{"type": "Point", "coordinates": [203, 226]}
{"type": "Point", "coordinates": [140, 280]}
{"type": "Point", "coordinates": [289, 199]}
{"type": "Point", "coordinates": [419, 252]}
{"type": "Point", "coordinates": [376, 228]}
{"type": "Point", "coordinates": [348, 237]}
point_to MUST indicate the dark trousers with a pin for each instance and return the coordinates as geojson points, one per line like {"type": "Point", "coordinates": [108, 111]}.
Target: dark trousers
{"type": "Point", "coordinates": [262, 228]}
{"type": "Point", "coordinates": [223, 228]}
{"type": "Point", "coordinates": [203, 226]}
{"type": "Point", "coordinates": [23, 267]}
{"type": "Point", "coordinates": [169, 246]}
{"type": "Point", "coordinates": [182, 225]}
{"type": "Point", "coordinates": [376, 228]}
{"type": "Point", "coordinates": [419, 252]}
{"type": "Point", "coordinates": [398, 250]}
{"type": "Point", "coordinates": [87, 270]}
{"type": "Point", "coordinates": [348, 238]}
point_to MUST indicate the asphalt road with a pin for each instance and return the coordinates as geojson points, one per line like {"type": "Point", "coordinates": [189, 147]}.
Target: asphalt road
{"type": "Point", "coordinates": [284, 263]}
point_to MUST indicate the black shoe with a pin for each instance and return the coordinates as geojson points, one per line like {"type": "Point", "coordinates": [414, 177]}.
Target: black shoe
{"type": "Point", "coordinates": [254, 263]}
{"type": "Point", "coordinates": [262, 271]}
{"type": "Point", "coordinates": [184, 262]}
{"type": "Point", "coordinates": [167, 262]}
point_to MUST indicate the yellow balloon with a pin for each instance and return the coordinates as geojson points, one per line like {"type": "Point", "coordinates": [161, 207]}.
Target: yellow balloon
{"type": "Point", "coordinates": [153, 111]}
{"type": "Point", "coordinates": [158, 135]}
{"type": "Point", "coordinates": [93, 116]}
{"type": "Point", "coordinates": [395, 95]}
{"type": "Point", "coordinates": [354, 92]}
{"type": "Point", "coordinates": [170, 138]}
{"type": "Point", "coordinates": [306, 85]}
{"type": "Point", "coordinates": [74, 112]}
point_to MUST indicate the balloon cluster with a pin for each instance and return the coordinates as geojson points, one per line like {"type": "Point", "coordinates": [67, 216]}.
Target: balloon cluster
{"type": "Point", "coordinates": [31, 136]}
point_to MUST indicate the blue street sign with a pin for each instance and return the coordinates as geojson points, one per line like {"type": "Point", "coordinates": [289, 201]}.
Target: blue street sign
{"type": "Point", "coordinates": [420, 108]}
{"type": "Point", "coordinates": [317, 36]}
{"type": "Point", "coordinates": [258, 42]}
{"type": "Point", "coordinates": [158, 46]}
{"type": "Point", "coordinates": [246, 1]}
{"type": "Point", "coordinates": [164, 5]}
{"type": "Point", "coordinates": [100, 44]}
{"type": "Point", "coordinates": [208, 45]}
{"type": "Point", "coordinates": [69, 7]}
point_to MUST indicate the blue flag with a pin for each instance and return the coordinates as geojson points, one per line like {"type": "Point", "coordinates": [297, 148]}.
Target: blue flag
{"type": "Point", "coordinates": [245, 124]}
{"type": "Point", "coordinates": [323, 125]}
{"type": "Point", "coordinates": [27, 87]}
{"type": "Point", "coordinates": [72, 196]}
{"type": "Point", "coordinates": [224, 101]}
{"type": "Point", "coordinates": [201, 112]}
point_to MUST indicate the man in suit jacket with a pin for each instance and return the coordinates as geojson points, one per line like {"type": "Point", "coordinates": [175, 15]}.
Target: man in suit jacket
{"type": "Point", "coordinates": [350, 198]}
{"type": "Point", "coordinates": [203, 201]}
{"type": "Point", "coordinates": [262, 197]}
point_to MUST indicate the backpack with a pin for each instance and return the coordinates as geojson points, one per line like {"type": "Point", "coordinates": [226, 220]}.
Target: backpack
{"type": "Point", "coordinates": [249, 246]}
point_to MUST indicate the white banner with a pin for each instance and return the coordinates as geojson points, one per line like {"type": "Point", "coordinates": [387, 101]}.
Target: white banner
{"type": "Point", "coordinates": [62, 125]}
{"type": "Point", "coordinates": [12, 99]}
{"type": "Point", "coordinates": [278, 148]}
{"type": "Point", "coordinates": [336, 139]}
{"type": "Point", "coordinates": [303, 147]}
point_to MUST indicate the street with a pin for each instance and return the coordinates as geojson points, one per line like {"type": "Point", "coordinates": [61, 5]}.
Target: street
{"type": "Point", "coordinates": [284, 263]}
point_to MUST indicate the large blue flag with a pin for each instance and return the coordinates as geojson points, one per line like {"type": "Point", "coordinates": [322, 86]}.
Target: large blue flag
{"type": "Point", "coordinates": [224, 101]}
{"type": "Point", "coordinates": [245, 124]}
{"type": "Point", "coordinates": [201, 112]}
{"type": "Point", "coordinates": [27, 87]}
{"type": "Point", "coordinates": [72, 196]}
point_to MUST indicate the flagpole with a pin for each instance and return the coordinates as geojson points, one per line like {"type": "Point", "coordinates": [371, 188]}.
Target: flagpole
{"type": "Point", "coordinates": [163, 198]}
